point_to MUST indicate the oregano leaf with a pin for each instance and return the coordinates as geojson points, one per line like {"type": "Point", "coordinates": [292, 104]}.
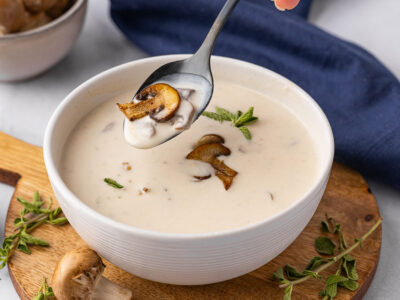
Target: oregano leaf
{"type": "Point", "coordinates": [324, 245]}
{"type": "Point", "coordinates": [349, 267]}
{"type": "Point", "coordinates": [292, 273]}
{"type": "Point", "coordinates": [225, 114]}
{"type": "Point", "coordinates": [245, 117]}
{"type": "Point", "coordinates": [331, 284]}
{"type": "Point", "coordinates": [331, 290]}
{"type": "Point", "coordinates": [325, 226]}
{"type": "Point", "coordinates": [113, 183]}
{"type": "Point", "coordinates": [36, 199]}
{"type": "Point", "coordinates": [29, 207]}
{"type": "Point", "coordinates": [39, 296]}
{"type": "Point", "coordinates": [315, 262]}
{"type": "Point", "coordinates": [249, 121]}
{"type": "Point", "coordinates": [238, 114]}
{"type": "Point", "coordinates": [30, 239]}
{"type": "Point", "coordinates": [246, 132]}
{"type": "Point", "coordinates": [278, 274]}
{"type": "Point", "coordinates": [238, 119]}
{"type": "Point", "coordinates": [22, 246]}
{"type": "Point", "coordinates": [58, 221]}
{"type": "Point", "coordinates": [212, 115]}
{"type": "Point", "coordinates": [334, 278]}
{"type": "Point", "coordinates": [349, 284]}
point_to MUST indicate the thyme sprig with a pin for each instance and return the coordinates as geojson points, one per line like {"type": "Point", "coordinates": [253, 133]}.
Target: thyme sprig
{"type": "Point", "coordinates": [45, 292]}
{"type": "Point", "coordinates": [346, 275]}
{"type": "Point", "coordinates": [239, 119]}
{"type": "Point", "coordinates": [31, 216]}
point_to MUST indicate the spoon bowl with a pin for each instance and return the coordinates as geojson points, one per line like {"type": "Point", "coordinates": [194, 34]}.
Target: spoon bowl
{"type": "Point", "coordinates": [195, 69]}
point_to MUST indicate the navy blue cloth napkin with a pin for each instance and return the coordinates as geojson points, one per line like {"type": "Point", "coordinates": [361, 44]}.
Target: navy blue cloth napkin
{"type": "Point", "coordinates": [358, 94]}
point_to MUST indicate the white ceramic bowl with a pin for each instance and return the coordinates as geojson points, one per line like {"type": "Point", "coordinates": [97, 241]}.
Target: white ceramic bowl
{"type": "Point", "coordinates": [187, 258]}
{"type": "Point", "coordinates": [27, 54]}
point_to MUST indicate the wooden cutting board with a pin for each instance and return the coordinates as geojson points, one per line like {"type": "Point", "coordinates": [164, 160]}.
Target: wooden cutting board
{"type": "Point", "coordinates": [347, 199]}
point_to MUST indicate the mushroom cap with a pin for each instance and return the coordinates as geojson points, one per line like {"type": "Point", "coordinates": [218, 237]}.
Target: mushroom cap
{"type": "Point", "coordinates": [77, 274]}
{"type": "Point", "coordinates": [160, 101]}
{"type": "Point", "coordinates": [33, 21]}
{"type": "Point", "coordinates": [11, 15]}
{"type": "Point", "coordinates": [55, 8]}
{"type": "Point", "coordinates": [33, 6]}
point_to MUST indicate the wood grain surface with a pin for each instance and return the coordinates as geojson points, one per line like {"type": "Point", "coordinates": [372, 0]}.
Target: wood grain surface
{"type": "Point", "coordinates": [347, 199]}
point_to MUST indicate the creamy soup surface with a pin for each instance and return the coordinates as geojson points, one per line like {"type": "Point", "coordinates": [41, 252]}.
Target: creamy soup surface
{"type": "Point", "coordinates": [275, 168]}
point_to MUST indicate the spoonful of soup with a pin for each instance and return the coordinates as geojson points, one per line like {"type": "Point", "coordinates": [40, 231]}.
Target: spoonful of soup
{"type": "Point", "coordinates": [174, 95]}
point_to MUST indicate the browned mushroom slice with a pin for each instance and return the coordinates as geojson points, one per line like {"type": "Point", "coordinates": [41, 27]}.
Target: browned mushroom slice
{"type": "Point", "coordinates": [201, 178]}
{"type": "Point", "coordinates": [226, 180]}
{"type": "Point", "coordinates": [160, 101]}
{"type": "Point", "coordinates": [209, 153]}
{"type": "Point", "coordinates": [210, 139]}
{"type": "Point", "coordinates": [220, 166]}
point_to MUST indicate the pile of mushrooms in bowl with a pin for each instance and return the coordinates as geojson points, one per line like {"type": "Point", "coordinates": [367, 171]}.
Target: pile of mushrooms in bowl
{"type": "Point", "coordinates": [36, 34]}
{"type": "Point", "coordinates": [187, 259]}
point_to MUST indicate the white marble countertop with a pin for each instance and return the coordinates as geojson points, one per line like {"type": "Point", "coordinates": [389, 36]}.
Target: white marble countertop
{"type": "Point", "coordinates": [372, 24]}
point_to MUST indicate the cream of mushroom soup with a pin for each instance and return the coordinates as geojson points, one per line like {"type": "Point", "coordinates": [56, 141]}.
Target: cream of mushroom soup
{"type": "Point", "coordinates": [164, 191]}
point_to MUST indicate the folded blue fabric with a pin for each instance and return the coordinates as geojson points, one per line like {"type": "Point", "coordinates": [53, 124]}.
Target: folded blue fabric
{"type": "Point", "coordinates": [358, 94]}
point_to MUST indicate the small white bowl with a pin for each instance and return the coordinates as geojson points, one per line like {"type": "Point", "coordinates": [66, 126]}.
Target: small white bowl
{"type": "Point", "coordinates": [27, 54]}
{"type": "Point", "coordinates": [187, 259]}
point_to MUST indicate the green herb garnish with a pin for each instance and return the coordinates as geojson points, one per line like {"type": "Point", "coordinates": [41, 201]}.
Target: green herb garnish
{"type": "Point", "coordinates": [346, 275]}
{"type": "Point", "coordinates": [45, 292]}
{"type": "Point", "coordinates": [113, 183]}
{"type": "Point", "coordinates": [239, 119]}
{"type": "Point", "coordinates": [324, 245]}
{"type": "Point", "coordinates": [31, 216]}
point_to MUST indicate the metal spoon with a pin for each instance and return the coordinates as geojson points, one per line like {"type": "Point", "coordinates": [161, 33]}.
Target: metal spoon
{"type": "Point", "coordinates": [198, 64]}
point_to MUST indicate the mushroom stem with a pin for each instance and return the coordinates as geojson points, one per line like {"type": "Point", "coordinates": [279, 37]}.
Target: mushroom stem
{"type": "Point", "coordinates": [108, 290]}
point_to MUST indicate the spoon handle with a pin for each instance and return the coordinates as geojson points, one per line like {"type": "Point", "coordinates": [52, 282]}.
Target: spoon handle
{"type": "Point", "coordinates": [203, 54]}
{"type": "Point", "coordinates": [208, 44]}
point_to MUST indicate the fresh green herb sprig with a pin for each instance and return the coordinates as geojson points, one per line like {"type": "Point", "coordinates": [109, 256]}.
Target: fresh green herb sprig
{"type": "Point", "coordinates": [346, 275]}
{"type": "Point", "coordinates": [239, 119]}
{"type": "Point", "coordinates": [31, 216]}
{"type": "Point", "coordinates": [45, 292]}
{"type": "Point", "coordinates": [113, 183]}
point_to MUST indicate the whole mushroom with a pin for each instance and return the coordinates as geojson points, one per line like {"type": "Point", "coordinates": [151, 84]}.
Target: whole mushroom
{"type": "Point", "coordinates": [33, 21]}
{"type": "Point", "coordinates": [11, 16]}
{"type": "Point", "coordinates": [78, 276]}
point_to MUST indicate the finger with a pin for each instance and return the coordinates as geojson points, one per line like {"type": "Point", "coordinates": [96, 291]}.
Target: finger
{"type": "Point", "coordinates": [286, 4]}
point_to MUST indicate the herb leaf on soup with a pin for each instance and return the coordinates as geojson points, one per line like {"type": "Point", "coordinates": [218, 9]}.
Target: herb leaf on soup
{"type": "Point", "coordinates": [113, 183]}
{"type": "Point", "coordinates": [239, 120]}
